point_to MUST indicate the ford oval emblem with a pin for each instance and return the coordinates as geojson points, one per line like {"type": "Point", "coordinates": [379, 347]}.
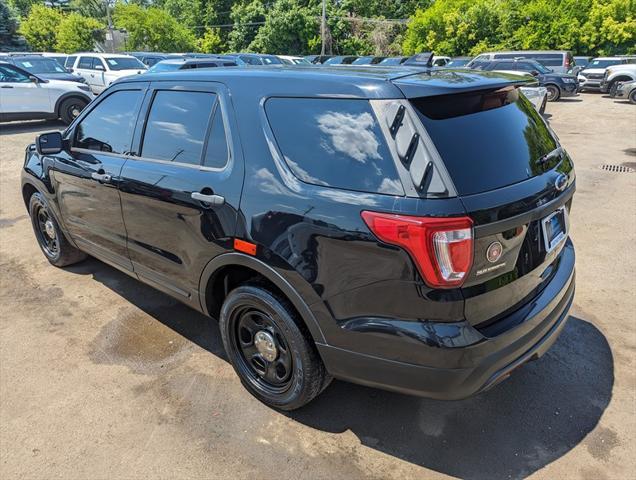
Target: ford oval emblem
{"type": "Point", "coordinates": [561, 182]}
{"type": "Point", "coordinates": [495, 249]}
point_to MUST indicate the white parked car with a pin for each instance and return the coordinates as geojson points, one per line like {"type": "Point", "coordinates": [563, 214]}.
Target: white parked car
{"type": "Point", "coordinates": [293, 60]}
{"type": "Point", "coordinates": [25, 96]}
{"type": "Point", "coordinates": [591, 77]}
{"type": "Point", "coordinates": [101, 69]}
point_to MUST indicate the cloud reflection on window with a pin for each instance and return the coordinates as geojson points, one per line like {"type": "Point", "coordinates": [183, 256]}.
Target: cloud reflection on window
{"type": "Point", "coordinates": [350, 134]}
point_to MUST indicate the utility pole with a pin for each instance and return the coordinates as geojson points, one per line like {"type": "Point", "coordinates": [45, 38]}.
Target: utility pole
{"type": "Point", "coordinates": [110, 35]}
{"type": "Point", "coordinates": [323, 25]}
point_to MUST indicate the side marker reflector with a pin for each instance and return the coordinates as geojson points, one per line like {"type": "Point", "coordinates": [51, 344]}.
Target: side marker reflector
{"type": "Point", "coordinates": [245, 247]}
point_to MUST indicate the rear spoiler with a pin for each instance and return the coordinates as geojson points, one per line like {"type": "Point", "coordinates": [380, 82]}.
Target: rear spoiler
{"type": "Point", "coordinates": [450, 81]}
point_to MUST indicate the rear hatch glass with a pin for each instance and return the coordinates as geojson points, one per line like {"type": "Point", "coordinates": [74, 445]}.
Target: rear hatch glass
{"type": "Point", "coordinates": [487, 139]}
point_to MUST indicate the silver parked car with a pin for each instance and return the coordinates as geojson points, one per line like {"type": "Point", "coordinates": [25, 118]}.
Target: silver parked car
{"type": "Point", "coordinates": [626, 91]}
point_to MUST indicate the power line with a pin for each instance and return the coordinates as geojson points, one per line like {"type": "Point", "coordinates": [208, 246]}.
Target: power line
{"type": "Point", "coordinates": [392, 21]}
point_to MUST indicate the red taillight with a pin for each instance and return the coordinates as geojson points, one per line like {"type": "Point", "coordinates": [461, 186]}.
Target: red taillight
{"type": "Point", "coordinates": [442, 248]}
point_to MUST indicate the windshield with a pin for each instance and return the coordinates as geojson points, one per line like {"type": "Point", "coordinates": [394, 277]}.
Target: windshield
{"type": "Point", "coordinates": [540, 67]}
{"type": "Point", "coordinates": [165, 67]}
{"type": "Point", "coordinates": [40, 65]}
{"type": "Point", "coordinates": [599, 63]}
{"type": "Point", "coordinates": [124, 63]}
{"type": "Point", "coordinates": [487, 139]}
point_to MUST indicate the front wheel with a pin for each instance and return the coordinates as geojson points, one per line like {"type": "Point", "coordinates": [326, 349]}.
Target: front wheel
{"type": "Point", "coordinates": [56, 248]}
{"type": "Point", "coordinates": [270, 349]}
{"type": "Point", "coordinates": [612, 89]}
{"type": "Point", "coordinates": [554, 93]}
{"type": "Point", "coordinates": [71, 108]}
{"type": "Point", "coordinates": [632, 96]}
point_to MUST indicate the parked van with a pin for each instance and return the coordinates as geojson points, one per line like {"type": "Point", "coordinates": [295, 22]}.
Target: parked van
{"type": "Point", "coordinates": [559, 61]}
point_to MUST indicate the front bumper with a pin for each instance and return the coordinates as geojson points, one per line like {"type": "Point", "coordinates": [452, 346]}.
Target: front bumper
{"type": "Point", "coordinates": [589, 83]}
{"type": "Point", "coordinates": [475, 360]}
{"type": "Point", "coordinates": [569, 89]}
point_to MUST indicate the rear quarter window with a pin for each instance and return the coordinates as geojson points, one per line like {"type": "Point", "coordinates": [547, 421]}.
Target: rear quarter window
{"type": "Point", "coordinates": [334, 143]}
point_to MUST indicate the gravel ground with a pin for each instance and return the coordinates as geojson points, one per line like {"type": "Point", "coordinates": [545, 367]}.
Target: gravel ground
{"type": "Point", "coordinates": [103, 377]}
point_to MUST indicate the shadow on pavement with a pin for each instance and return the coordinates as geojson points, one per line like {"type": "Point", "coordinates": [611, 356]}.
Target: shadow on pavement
{"type": "Point", "coordinates": [36, 126]}
{"type": "Point", "coordinates": [530, 420]}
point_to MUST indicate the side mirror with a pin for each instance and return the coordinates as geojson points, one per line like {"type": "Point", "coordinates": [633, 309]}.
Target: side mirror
{"type": "Point", "coordinates": [33, 79]}
{"type": "Point", "coordinates": [49, 143]}
{"type": "Point", "coordinates": [534, 73]}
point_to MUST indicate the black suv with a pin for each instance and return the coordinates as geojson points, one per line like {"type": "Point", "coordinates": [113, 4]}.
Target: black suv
{"type": "Point", "coordinates": [394, 227]}
{"type": "Point", "coordinates": [558, 84]}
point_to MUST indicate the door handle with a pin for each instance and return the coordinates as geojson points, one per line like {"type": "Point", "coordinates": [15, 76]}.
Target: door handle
{"type": "Point", "coordinates": [6, 86]}
{"type": "Point", "coordinates": [215, 200]}
{"type": "Point", "coordinates": [101, 177]}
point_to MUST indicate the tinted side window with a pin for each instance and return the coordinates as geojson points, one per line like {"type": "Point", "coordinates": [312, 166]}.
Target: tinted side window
{"type": "Point", "coordinates": [109, 126]}
{"type": "Point", "coordinates": [216, 153]}
{"type": "Point", "coordinates": [549, 59]}
{"type": "Point", "coordinates": [526, 67]}
{"type": "Point", "coordinates": [70, 61]}
{"type": "Point", "coordinates": [85, 62]}
{"type": "Point", "coordinates": [176, 126]}
{"type": "Point", "coordinates": [504, 66]}
{"type": "Point", "coordinates": [333, 142]}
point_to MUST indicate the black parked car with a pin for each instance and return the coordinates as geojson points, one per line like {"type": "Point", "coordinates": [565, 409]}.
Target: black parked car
{"type": "Point", "coordinates": [558, 84]}
{"type": "Point", "coordinates": [340, 222]}
{"type": "Point", "coordinates": [43, 67]}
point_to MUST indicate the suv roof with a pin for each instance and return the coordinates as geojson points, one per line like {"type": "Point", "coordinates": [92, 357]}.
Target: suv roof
{"type": "Point", "coordinates": [353, 81]}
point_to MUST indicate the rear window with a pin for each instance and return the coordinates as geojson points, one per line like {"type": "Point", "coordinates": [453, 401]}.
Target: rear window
{"type": "Point", "coordinates": [333, 142]}
{"type": "Point", "coordinates": [487, 139]}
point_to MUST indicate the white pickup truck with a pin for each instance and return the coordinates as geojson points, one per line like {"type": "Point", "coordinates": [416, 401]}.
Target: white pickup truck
{"type": "Point", "coordinates": [617, 74]}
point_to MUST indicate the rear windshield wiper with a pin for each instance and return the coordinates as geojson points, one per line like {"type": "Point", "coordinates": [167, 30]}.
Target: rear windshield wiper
{"type": "Point", "coordinates": [557, 152]}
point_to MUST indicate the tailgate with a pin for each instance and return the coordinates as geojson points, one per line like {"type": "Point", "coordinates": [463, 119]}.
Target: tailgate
{"type": "Point", "coordinates": [513, 260]}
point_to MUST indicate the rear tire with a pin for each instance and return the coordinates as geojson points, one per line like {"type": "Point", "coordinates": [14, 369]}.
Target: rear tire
{"type": "Point", "coordinates": [56, 248]}
{"type": "Point", "coordinates": [71, 108]}
{"type": "Point", "coordinates": [270, 348]}
{"type": "Point", "coordinates": [632, 96]}
{"type": "Point", "coordinates": [554, 93]}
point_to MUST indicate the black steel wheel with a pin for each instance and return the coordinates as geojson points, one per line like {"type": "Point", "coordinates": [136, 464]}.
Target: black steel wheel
{"type": "Point", "coordinates": [270, 348]}
{"type": "Point", "coordinates": [56, 248]}
{"type": "Point", "coordinates": [263, 350]}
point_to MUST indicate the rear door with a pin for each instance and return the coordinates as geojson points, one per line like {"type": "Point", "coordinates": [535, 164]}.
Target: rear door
{"type": "Point", "coordinates": [181, 192]}
{"type": "Point", "coordinates": [515, 182]}
{"type": "Point", "coordinates": [87, 175]}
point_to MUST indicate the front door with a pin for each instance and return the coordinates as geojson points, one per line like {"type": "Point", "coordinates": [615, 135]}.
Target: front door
{"type": "Point", "coordinates": [180, 194]}
{"type": "Point", "coordinates": [86, 176]}
{"type": "Point", "coordinates": [18, 94]}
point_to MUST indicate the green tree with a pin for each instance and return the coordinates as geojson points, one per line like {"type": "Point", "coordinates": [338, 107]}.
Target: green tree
{"type": "Point", "coordinates": [242, 15]}
{"type": "Point", "coordinates": [40, 27]}
{"type": "Point", "coordinates": [9, 38]}
{"type": "Point", "coordinates": [152, 28]}
{"type": "Point", "coordinates": [611, 27]}
{"type": "Point", "coordinates": [77, 33]}
{"type": "Point", "coordinates": [455, 27]}
{"type": "Point", "coordinates": [210, 42]}
{"type": "Point", "coordinates": [289, 26]}
{"type": "Point", "coordinates": [22, 7]}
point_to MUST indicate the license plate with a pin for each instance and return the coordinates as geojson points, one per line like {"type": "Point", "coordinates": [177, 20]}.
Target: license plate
{"type": "Point", "coordinates": [555, 228]}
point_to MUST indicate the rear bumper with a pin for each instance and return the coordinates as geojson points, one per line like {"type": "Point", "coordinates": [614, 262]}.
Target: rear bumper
{"type": "Point", "coordinates": [480, 364]}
